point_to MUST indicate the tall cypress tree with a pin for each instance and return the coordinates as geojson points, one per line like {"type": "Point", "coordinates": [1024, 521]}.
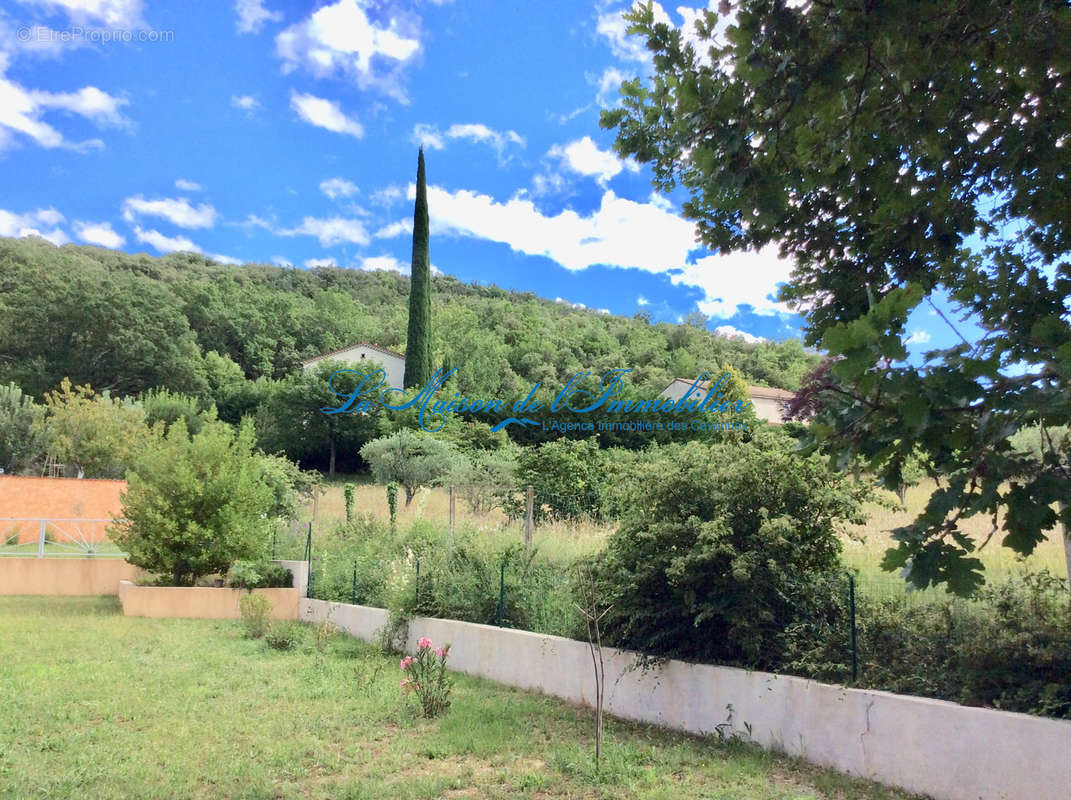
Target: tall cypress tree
{"type": "Point", "coordinates": [418, 341]}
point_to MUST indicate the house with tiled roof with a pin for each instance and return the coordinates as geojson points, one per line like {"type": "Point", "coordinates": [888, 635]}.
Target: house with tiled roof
{"type": "Point", "coordinates": [393, 363]}
{"type": "Point", "coordinates": [768, 403]}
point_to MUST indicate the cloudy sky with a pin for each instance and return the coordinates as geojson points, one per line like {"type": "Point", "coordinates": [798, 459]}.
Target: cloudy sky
{"type": "Point", "coordinates": [287, 132]}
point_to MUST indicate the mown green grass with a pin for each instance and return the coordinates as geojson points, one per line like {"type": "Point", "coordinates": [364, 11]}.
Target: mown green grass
{"type": "Point", "coordinates": [96, 705]}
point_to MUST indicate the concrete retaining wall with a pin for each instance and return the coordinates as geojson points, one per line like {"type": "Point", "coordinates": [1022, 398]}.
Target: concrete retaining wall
{"type": "Point", "coordinates": [199, 602]}
{"type": "Point", "coordinates": [941, 749]}
{"type": "Point", "coordinates": [64, 575]}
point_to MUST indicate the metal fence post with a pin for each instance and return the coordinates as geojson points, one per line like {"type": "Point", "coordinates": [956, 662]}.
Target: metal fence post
{"type": "Point", "coordinates": [851, 615]}
{"type": "Point", "coordinates": [529, 516]}
{"type": "Point", "coordinates": [41, 539]}
{"type": "Point", "coordinates": [451, 546]}
{"type": "Point", "coordinates": [308, 561]}
{"type": "Point", "coordinates": [501, 590]}
{"type": "Point", "coordinates": [353, 591]}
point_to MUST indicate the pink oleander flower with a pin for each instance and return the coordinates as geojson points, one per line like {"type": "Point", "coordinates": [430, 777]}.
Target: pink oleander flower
{"type": "Point", "coordinates": [440, 652]}
{"type": "Point", "coordinates": [406, 662]}
{"type": "Point", "coordinates": [424, 643]}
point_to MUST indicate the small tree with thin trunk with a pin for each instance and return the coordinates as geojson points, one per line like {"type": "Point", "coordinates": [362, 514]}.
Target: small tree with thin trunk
{"type": "Point", "coordinates": [593, 611]}
{"type": "Point", "coordinates": [410, 459]}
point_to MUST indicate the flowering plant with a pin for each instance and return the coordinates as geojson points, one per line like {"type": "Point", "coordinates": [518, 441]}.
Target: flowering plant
{"type": "Point", "coordinates": [425, 676]}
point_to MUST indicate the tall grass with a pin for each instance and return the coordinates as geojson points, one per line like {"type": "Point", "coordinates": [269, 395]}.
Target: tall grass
{"type": "Point", "coordinates": [565, 542]}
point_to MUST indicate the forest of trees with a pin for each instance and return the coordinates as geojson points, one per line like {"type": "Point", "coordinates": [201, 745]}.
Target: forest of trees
{"type": "Point", "coordinates": [234, 336]}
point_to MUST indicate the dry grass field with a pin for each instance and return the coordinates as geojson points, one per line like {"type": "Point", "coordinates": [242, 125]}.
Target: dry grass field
{"type": "Point", "coordinates": [864, 545]}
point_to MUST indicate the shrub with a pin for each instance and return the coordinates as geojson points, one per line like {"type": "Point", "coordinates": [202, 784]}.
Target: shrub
{"type": "Point", "coordinates": [256, 614]}
{"type": "Point", "coordinates": [412, 460]}
{"type": "Point", "coordinates": [425, 676]}
{"type": "Point", "coordinates": [21, 430]}
{"type": "Point", "coordinates": [259, 575]}
{"type": "Point", "coordinates": [727, 546]}
{"type": "Point", "coordinates": [392, 505]}
{"type": "Point", "coordinates": [96, 436]}
{"type": "Point", "coordinates": [365, 546]}
{"type": "Point", "coordinates": [165, 406]}
{"type": "Point", "coordinates": [484, 477]}
{"type": "Point", "coordinates": [284, 635]}
{"type": "Point", "coordinates": [347, 492]}
{"type": "Point", "coordinates": [195, 506]}
{"type": "Point", "coordinates": [322, 634]}
{"type": "Point", "coordinates": [1009, 648]}
{"type": "Point", "coordinates": [567, 476]}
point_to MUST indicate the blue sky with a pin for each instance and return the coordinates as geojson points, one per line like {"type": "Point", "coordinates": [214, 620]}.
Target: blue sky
{"type": "Point", "coordinates": [287, 132]}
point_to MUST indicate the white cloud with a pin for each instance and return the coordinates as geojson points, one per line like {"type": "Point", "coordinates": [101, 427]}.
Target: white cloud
{"type": "Point", "coordinates": [918, 337]}
{"type": "Point", "coordinates": [690, 34]}
{"type": "Point", "coordinates": [730, 280]}
{"type": "Point", "coordinates": [729, 332]}
{"type": "Point", "coordinates": [281, 261]}
{"type": "Point", "coordinates": [609, 84]}
{"type": "Point", "coordinates": [584, 157]}
{"type": "Point", "coordinates": [642, 301]}
{"type": "Point", "coordinates": [177, 211]}
{"type": "Point", "coordinates": [478, 132]}
{"type": "Point", "coordinates": [330, 231]}
{"type": "Point", "coordinates": [389, 263]}
{"type": "Point", "coordinates": [165, 244]}
{"type": "Point", "coordinates": [320, 262]}
{"type": "Point", "coordinates": [620, 233]}
{"type": "Point", "coordinates": [427, 136]}
{"type": "Point", "coordinates": [431, 137]}
{"type": "Point", "coordinates": [98, 233]}
{"type": "Point", "coordinates": [223, 259]}
{"type": "Point", "coordinates": [245, 102]}
{"type": "Point", "coordinates": [399, 228]}
{"type": "Point", "coordinates": [109, 13]}
{"type": "Point", "coordinates": [549, 182]}
{"type": "Point", "coordinates": [187, 186]}
{"type": "Point", "coordinates": [34, 223]}
{"type": "Point", "coordinates": [89, 102]}
{"type": "Point", "coordinates": [22, 111]}
{"type": "Point", "coordinates": [252, 221]}
{"type": "Point", "coordinates": [252, 15]}
{"type": "Point", "coordinates": [324, 114]}
{"type": "Point", "coordinates": [611, 25]}
{"type": "Point", "coordinates": [340, 38]}
{"type": "Point", "coordinates": [388, 196]}
{"type": "Point", "coordinates": [565, 302]}
{"type": "Point", "coordinates": [37, 40]}
{"type": "Point", "coordinates": [338, 187]}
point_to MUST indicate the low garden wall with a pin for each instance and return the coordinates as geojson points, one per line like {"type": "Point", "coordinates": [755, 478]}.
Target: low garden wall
{"type": "Point", "coordinates": [199, 602]}
{"type": "Point", "coordinates": [64, 575]}
{"type": "Point", "coordinates": [945, 750]}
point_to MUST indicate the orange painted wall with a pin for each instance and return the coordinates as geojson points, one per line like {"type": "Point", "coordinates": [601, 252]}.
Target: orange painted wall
{"type": "Point", "coordinates": [56, 498]}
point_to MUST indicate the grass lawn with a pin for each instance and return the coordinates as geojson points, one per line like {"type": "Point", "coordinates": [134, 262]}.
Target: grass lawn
{"type": "Point", "coordinates": [96, 705]}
